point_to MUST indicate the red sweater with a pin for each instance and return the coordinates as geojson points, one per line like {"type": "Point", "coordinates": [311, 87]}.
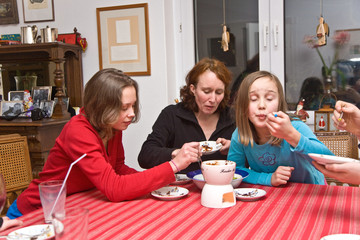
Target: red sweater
{"type": "Point", "coordinates": [106, 172]}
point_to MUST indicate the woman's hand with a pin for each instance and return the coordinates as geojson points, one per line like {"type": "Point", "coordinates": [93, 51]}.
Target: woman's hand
{"type": "Point", "coordinates": [350, 121]}
{"type": "Point", "coordinates": [7, 223]}
{"type": "Point", "coordinates": [344, 172]}
{"type": "Point", "coordinates": [279, 125]}
{"type": "Point", "coordinates": [189, 153]}
{"type": "Point", "coordinates": [174, 153]}
{"type": "Point", "coordinates": [281, 175]}
{"type": "Point", "coordinates": [225, 145]}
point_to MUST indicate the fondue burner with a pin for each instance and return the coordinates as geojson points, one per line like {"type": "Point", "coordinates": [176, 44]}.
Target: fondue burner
{"type": "Point", "coordinates": [218, 191]}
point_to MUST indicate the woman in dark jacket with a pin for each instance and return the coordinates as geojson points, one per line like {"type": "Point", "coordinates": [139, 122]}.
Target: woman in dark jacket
{"type": "Point", "coordinates": [202, 115]}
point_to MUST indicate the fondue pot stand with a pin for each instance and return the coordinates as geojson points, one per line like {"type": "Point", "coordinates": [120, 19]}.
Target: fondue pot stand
{"type": "Point", "coordinates": [218, 191]}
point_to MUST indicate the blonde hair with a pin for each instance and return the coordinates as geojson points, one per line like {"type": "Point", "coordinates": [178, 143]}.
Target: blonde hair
{"type": "Point", "coordinates": [102, 99]}
{"type": "Point", "coordinates": [246, 130]}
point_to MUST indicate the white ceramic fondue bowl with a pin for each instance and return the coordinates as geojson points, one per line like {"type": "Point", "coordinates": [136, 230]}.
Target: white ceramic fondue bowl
{"type": "Point", "coordinates": [218, 191]}
{"type": "Point", "coordinates": [218, 172]}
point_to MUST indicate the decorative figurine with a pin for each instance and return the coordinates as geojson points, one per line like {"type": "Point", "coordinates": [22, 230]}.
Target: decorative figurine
{"type": "Point", "coordinates": [225, 39]}
{"type": "Point", "coordinates": [321, 31]}
{"type": "Point", "coordinates": [300, 112]}
{"type": "Point", "coordinates": [322, 123]}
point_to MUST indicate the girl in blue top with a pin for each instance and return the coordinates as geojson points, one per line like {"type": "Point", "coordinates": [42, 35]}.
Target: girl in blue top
{"type": "Point", "coordinates": [266, 139]}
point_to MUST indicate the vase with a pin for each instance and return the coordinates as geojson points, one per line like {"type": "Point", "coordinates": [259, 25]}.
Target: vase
{"type": "Point", "coordinates": [25, 82]}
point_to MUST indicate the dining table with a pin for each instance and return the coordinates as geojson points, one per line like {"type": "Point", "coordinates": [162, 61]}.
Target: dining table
{"type": "Point", "coordinates": [292, 211]}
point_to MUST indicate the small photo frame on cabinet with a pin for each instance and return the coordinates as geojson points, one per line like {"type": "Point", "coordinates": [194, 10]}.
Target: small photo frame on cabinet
{"type": "Point", "coordinates": [40, 94]}
{"type": "Point", "coordinates": [11, 108]}
{"type": "Point", "coordinates": [16, 95]}
{"type": "Point", "coordinates": [65, 99]}
{"type": "Point", "coordinates": [38, 10]}
{"type": "Point", "coordinates": [47, 107]}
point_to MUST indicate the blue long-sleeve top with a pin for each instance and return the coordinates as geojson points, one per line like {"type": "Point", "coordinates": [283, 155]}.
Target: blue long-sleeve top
{"type": "Point", "coordinates": [265, 159]}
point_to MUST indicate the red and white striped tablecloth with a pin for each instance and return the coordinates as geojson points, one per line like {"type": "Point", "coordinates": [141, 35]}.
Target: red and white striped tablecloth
{"type": "Point", "coordinates": [295, 211]}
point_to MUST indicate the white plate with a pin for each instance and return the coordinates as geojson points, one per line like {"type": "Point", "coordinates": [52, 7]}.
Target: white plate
{"type": "Point", "coordinates": [170, 193]}
{"type": "Point", "coordinates": [209, 147]}
{"type": "Point", "coordinates": [324, 159]}
{"type": "Point", "coordinates": [249, 194]}
{"type": "Point", "coordinates": [181, 179]}
{"type": "Point", "coordinates": [341, 237]}
{"type": "Point", "coordinates": [26, 232]}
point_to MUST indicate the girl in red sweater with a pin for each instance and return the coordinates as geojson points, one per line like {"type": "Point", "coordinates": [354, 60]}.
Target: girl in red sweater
{"type": "Point", "coordinates": [110, 105]}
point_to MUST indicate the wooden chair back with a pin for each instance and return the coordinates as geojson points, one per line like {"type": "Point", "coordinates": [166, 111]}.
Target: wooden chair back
{"type": "Point", "coordinates": [342, 144]}
{"type": "Point", "coordinates": [15, 165]}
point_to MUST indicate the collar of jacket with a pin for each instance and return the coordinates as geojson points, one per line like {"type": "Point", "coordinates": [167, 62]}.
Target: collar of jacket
{"type": "Point", "coordinates": [225, 118]}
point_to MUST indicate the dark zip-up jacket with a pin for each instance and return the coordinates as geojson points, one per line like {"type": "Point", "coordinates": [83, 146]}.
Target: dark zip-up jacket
{"type": "Point", "coordinates": [176, 126]}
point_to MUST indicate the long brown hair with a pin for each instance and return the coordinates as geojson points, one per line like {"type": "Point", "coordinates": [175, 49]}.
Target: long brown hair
{"type": "Point", "coordinates": [102, 99]}
{"type": "Point", "coordinates": [192, 77]}
{"type": "Point", "coordinates": [246, 130]}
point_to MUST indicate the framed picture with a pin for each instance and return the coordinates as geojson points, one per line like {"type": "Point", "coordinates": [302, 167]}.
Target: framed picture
{"type": "Point", "coordinates": [40, 94]}
{"type": "Point", "coordinates": [47, 107]}
{"type": "Point", "coordinates": [16, 95]}
{"type": "Point", "coordinates": [38, 10]}
{"type": "Point", "coordinates": [123, 37]}
{"type": "Point", "coordinates": [65, 99]}
{"type": "Point", "coordinates": [11, 108]}
{"type": "Point", "coordinates": [8, 12]}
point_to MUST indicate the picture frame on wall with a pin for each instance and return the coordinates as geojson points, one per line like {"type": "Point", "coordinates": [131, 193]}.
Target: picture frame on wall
{"type": "Point", "coordinates": [8, 12]}
{"type": "Point", "coordinates": [123, 37]}
{"type": "Point", "coordinates": [38, 10]}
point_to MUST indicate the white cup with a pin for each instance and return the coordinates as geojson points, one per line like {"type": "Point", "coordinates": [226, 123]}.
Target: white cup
{"type": "Point", "coordinates": [49, 191]}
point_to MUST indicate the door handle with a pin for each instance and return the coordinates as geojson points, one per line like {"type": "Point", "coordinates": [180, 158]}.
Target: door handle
{"type": "Point", "coordinates": [265, 33]}
{"type": "Point", "coordinates": [276, 33]}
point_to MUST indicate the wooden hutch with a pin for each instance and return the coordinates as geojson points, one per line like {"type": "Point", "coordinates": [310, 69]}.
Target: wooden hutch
{"type": "Point", "coordinates": [68, 80]}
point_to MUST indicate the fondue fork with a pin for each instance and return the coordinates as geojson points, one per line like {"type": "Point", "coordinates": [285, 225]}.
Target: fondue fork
{"type": "Point", "coordinates": [199, 161]}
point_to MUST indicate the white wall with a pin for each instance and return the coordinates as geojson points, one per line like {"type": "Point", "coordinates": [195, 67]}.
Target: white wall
{"type": "Point", "coordinates": [155, 92]}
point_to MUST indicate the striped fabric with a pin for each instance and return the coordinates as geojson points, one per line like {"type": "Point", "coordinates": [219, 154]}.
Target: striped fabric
{"type": "Point", "coordinates": [296, 211]}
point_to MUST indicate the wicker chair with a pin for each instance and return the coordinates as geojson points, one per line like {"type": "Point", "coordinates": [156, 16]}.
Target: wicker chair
{"type": "Point", "coordinates": [343, 144]}
{"type": "Point", "coordinates": [15, 166]}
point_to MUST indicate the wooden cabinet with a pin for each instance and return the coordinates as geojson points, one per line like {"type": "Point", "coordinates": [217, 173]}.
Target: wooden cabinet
{"type": "Point", "coordinates": [41, 137]}
{"type": "Point", "coordinates": [67, 59]}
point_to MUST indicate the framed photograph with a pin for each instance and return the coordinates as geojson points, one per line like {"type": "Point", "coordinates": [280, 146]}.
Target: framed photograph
{"type": "Point", "coordinates": [47, 107]}
{"type": "Point", "coordinates": [8, 12]}
{"type": "Point", "coordinates": [11, 108]}
{"type": "Point", "coordinates": [123, 37]}
{"type": "Point", "coordinates": [65, 99]}
{"type": "Point", "coordinates": [38, 10]}
{"type": "Point", "coordinates": [40, 94]}
{"type": "Point", "coordinates": [16, 95]}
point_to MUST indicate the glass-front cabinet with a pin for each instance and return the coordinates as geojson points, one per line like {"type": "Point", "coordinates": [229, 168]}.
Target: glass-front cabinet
{"type": "Point", "coordinates": [313, 46]}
